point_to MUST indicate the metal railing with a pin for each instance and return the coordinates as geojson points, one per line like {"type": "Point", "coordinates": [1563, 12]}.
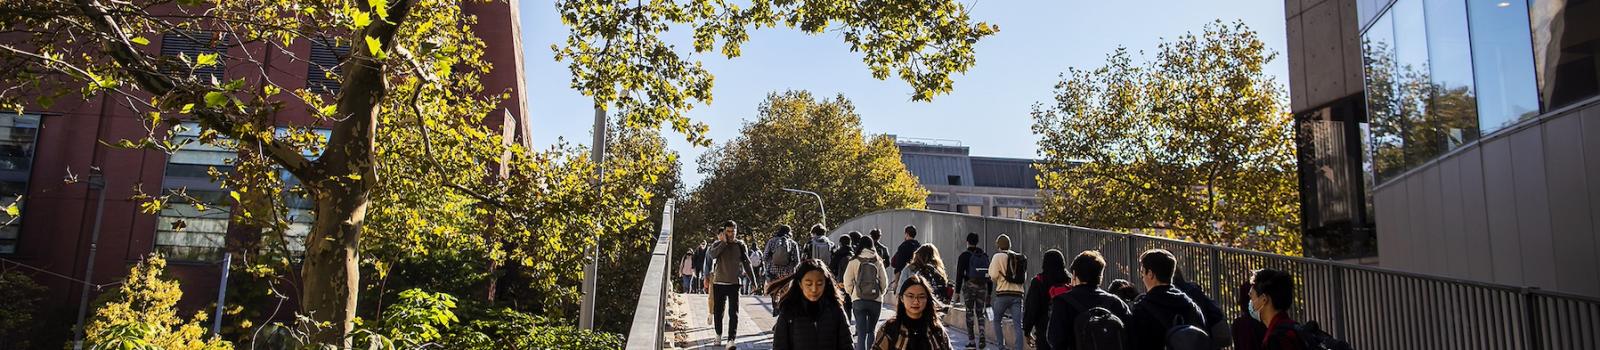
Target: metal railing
{"type": "Point", "coordinates": [1372, 308]}
{"type": "Point", "coordinates": [650, 316]}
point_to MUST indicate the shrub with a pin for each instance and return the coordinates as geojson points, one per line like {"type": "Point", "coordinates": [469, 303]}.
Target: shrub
{"type": "Point", "coordinates": [142, 315]}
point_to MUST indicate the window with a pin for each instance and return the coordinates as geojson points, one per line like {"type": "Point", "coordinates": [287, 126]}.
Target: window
{"type": "Point", "coordinates": [1503, 63]}
{"type": "Point", "coordinates": [324, 67]}
{"type": "Point", "coordinates": [18, 136]}
{"type": "Point", "coordinates": [300, 208]}
{"type": "Point", "coordinates": [195, 228]}
{"type": "Point", "coordinates": [1011, 212]}
{"type": "Point", "coordinates": [1565, 43]}
{"type": "Point", "coordinates": [1419, 84]}
{"type": "Point", "coordinates": [954, 180]}
{"type": "Point", "coordinates": [970, 209]}
{"type": "Point", "coordinates": [191, 44]}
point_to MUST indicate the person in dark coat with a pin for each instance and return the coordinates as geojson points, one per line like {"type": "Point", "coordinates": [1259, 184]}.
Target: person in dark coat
{"type": "Point", "coordinates": [1036, 301]}
{"type": "Point", "coordinates": [810, 310]}
{"type": "Point", "coordinates": [902, 254]}
{"type": "Point", "coordinates": [1162, 306]}
{"type": "Point", "coordinates": [1087, 269]}
{"type": "Point", "coordinates": [877, 240]}
{"type": "Point", "coordinates": [1124, 289]}
{"type": "Point", "coordinates": [1208, 307]}
{"type": "Point", "coordinates": [1247, 331]}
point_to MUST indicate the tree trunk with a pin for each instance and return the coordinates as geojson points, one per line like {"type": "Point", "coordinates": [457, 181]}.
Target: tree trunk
{"type": "Point", "coordinates": [331, 271]}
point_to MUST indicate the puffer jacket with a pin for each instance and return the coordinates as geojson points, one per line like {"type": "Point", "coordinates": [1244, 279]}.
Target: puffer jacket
{"type": "Point", "coordinates": [812, 326]}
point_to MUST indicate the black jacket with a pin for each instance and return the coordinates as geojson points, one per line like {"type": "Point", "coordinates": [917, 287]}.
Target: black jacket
{"type": "Point", "coordinates": [1036, 307]}
{"type": "Point", "coordinates": [814, 326]}
{"type": "Point", "coordinates": [699, 260]}
{"type": "Point", "coordinates": [839, 260]}
{"type": "Point", "coordinates": [902, 255]}
{"type": "Point", "coordinates": [1061, 335]}
{"type": "Point", "coordinates": [883, 250]}
{"type": "Point", "coordinates": [962, 263]}
{"type": "Point", "coordinates": [1208, 308]}
{"type": "Point", "coordinates": [1154, 314]}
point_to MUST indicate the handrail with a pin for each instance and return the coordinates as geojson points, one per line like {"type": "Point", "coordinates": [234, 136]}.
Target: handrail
{"type": "Point", "coordinates": [1371, 307]}
{"type": "Point", "coordinates": [649, 317]}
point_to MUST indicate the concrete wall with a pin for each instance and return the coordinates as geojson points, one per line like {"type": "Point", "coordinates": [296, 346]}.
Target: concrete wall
{"type": "Point", "coordinates": [1518, 208]}
{"type": "Point", "coordinates": [1324, 51]}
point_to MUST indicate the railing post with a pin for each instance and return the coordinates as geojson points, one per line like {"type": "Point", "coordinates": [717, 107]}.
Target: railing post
{"type": "Point", "coordinates": [1338, 301]}
{"type": "Point", "coordinates": [1216, 274]}
{"type": "Point", "coordinates": [1530, 319]}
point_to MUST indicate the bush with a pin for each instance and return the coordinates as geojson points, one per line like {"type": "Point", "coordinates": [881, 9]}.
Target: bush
{"type": "Point", "coordinates": [142, 315]}
{"type": "Point", "coordinates": [505, 329]}
{"type": "Point", "coordinates": [19, 300]}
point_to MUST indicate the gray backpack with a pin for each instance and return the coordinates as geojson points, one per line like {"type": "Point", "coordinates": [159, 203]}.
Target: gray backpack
{"type": "Point", "coordinates": [869, 285]}
{"type": "Point", "coordinates": [821, 248]}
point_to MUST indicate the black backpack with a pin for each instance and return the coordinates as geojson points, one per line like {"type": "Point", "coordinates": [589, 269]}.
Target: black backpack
{"type": "Point", "coordinates": [1314, 337]}
{"type": "Point", "coordinates": [1016, 267]}
{"type": "Point", "coordinates": [1096, 328]}
{"type": "Point", "coordinates": [1184, 335]}
{"type": "Point", "coordinates": [977, 266]}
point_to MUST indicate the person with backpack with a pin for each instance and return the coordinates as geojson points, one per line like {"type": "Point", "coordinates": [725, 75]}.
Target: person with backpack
{"type": "Point", "coordinates": [783, 254]}
{"type": "Point", "coordinates": [811, 311]}
{"type": "Point", "coordinates": [1216, 323]}
{"type": "Point", "coordinates": [753, 282]}
{"type": "Point", "coordinates": [729, 259]}
{"type": "Point", "coordinates": [1271, 295]}
{"type": "Point", "coordinates": [1008, 270]}
{"type": "Point", "coordinates": [1165, 318]}
{"type": "Point", "coordinates": [841, 256]}
{"type": "Point", "coordinates": [1246, 329]}
{"type": "Point", "coordinates": [820, 247]}
{"type": "Point", "coordinates": [1083, 316]}
{"type": "Point", "coordinates": [867, 281]}
{"type": "Point", "coordinates": [915, 325]}
{"type": "Point", "coordinates": [973, 288]}
{"type": "Point", "coordinates": [926, 263]}
{"type": "Point", "coordinates": [902, 254]}
{"type": "Point", "coordinates": [1036, 302]}
{"type": "Point", "coordinates": [686, 271]}
{"type": "Point", "coordinates": [1125, 290]}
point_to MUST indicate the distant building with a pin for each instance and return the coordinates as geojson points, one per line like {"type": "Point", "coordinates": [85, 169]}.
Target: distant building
{"type": "Point", "coordinates": [959, 182]}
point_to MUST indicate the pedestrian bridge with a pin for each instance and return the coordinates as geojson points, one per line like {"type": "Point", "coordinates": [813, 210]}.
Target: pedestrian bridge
{"type": "Point", "coordinates": [1370, 307]}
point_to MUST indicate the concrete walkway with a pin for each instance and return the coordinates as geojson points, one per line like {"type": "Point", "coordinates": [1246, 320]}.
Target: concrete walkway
{"type": "Point", "coordinates": [690, 327]}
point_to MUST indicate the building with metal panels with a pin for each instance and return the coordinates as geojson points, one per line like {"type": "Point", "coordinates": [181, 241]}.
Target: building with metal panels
{"type": "Point", "coordinates": [959, 182]}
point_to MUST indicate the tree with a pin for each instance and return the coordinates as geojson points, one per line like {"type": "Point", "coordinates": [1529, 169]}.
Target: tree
{"type": "Point", "coordinates": [797, 141]}
{"type": "Point", "coordinates": [1196, 144]}
{"type": "Point", "coordinates": [411, 75]}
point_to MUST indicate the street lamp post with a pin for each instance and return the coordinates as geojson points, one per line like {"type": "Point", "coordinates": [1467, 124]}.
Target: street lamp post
{"type": "Point", "coordinates": [821, 208]}
{"type": "Point", "coordinates": [597, 153]}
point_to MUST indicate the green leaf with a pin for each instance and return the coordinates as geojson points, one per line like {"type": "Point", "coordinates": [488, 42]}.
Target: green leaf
{"type": "Point", "coordinates": [215, 99]}
{"type": "Point", "coordinates": [205, 59]}
{"type": "Point", "coordinates": [375, 47]}
{"type": "Point", "coordinates": [13, 210]}
{"type": "Point", "coordinates": [362, 19]}
{"type": "Point", "coordinates": [140, 40]}
{"type": "Point", "coordinates": [187, 107]}
{"type": "Point", "coordinates": [233, 85]}
{"type": "Point", "coordinates": [328, 110]}
{"type": "Point", "coordinates": [381, 7]}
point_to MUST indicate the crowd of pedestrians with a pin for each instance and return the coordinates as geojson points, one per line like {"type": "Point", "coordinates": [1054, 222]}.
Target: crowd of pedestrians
{"type": "Point", "coordinates": [831, 294]}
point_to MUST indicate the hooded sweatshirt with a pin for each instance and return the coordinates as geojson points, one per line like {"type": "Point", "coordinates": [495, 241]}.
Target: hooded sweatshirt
{"type": "Point", "coordinates": [1060, 332]}
{"type": "Point", "coordinates": [1154, 314]}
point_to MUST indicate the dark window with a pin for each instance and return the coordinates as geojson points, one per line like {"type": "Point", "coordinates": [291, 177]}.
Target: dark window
{"type": "Point", "coordinates": [195, 228]}
{"type": "Point", "coordinates": [1565, 43]}
{"type": "Point", "coordinates": [954, 180]}
{"type": "Point", "coordinates": [192, 44]}
{"type": "Point", "coordinates": [18, 135]}
{"type": "Point", "coordinates": [1503, 63]}
{"type": "Point", "coordinates": [323, 71]}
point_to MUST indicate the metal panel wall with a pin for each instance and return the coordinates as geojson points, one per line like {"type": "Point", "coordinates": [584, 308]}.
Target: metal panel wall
{"type": "Point", "coordinates": [1572, 233]}
{"type": "Point", "coordinates": [1500, 195]}
{"type": "Point", "coordinates": [1453, 239]}
{"type": "Point", "coordinates": [1533, 207]}
{"type": "Point", "coordinates": [1479, 257]}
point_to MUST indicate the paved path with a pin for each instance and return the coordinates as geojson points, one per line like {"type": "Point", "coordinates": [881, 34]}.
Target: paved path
{"type": "Point", "coordinates": [693, 328]}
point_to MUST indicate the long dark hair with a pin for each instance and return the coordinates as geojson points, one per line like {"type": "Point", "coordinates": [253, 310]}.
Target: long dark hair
{"type": "Point", "coordinates": [1055, 267]}
{"type": "Point", "coordinates": [929, 313]}
{"type": "Point", "coordinates": [787, 292]}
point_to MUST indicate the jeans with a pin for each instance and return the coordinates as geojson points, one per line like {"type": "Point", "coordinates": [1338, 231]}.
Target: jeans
{"type": "Point", "coordinates": [725, 296]}
{"type": "Point", "coordinates": [976, 299]}
{"type": "Point", "coordinates": [866, 312]}
{"type": "Point", "coordinates": [688, 282]}
{"type": "Point", "coordinates": [1008, 305]}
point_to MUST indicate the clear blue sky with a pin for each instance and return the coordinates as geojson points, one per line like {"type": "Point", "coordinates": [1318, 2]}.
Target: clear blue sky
{"type": "Point", "coordinates": [988, 111]}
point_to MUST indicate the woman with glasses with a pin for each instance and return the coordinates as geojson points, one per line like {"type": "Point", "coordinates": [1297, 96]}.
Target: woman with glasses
{"type": "Point", "coordinates": [915, 325]}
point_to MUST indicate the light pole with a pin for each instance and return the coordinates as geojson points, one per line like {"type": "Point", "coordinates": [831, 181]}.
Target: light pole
{"type": "Point", "coordinates": [597, 154]}
{"type": "Point", "coordinates": [819, 203]}
{"type": "Point", "coordinates": [97, 181]}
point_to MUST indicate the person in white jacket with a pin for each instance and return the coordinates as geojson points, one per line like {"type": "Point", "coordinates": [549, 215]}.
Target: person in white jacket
{"type": "Point", "coordinates": [1007, 294]}
{"type": "Point", "coordinates": [867, 281]}
{"type": "Point", "coordinates": [686, 270]}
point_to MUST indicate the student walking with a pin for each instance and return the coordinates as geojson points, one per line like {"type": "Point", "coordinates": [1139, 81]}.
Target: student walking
{"type": "Point", "coordinates": [1083, 316]}
{"type": "Point", "coordinates": [877, 239]}
{"type": "Point", "coordinates": [915, 325]}
{"type": "Point", "coordinates": [783, 254]}
{"type": "Point", "coordinates": [1125, 290]}
{"type": "Point", "coordinates": [902, 254]}
{"type": "Point", "coordinates": [974, 289]}
{"type": "Point", "coordinates": [1008, 269]}
{"type": "Point", "coordinates": [1036, 302]}
{"type": "Point", "coordinates": [820, 247]}
{"type": "Point", "coordinates": [1246, 329]}
{"type": "Point", "coordinates": [811, 311]}
{"type": "Point", "coordinates": [729, 260]}
{"type": "Point", "coordinates": [926, 263]}
{"type": "Point", "coordinates": [1216, 323]}
{"type": "Point", "coordinates": [841, 255]}
{"type": "Point", "coordinates": [1271, 295]}
{"type": "Point", "coordinates": [867, 281]}
{"type": "Point", "coordinates": [753, 281]}
{"type": "Point", "coordinates": [686, 271]}
{"type": "Point", "coordinates": [1164, 311]}
{"type": "Point", "coordinates": [700, 268]}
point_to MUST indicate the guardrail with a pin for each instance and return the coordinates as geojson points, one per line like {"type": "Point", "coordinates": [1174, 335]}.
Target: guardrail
{"type": "Point", "coordinates": [1372, 308]}
{"type": "Point", "coordinates": [649, 317]}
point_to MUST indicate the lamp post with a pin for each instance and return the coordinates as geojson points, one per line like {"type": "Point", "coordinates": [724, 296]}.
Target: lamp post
{"type": "Point", "coordinates": [597, 154]}
{"type": "Point", "coordinates": [97, 181]}
{"type": "Point", "coordinates": [821, 208]}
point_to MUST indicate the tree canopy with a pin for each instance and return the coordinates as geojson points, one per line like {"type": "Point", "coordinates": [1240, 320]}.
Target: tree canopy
{"type": "Point", "coordinates": [801, 142]}
{"type": "Point", "coordinates": [1195, 144]}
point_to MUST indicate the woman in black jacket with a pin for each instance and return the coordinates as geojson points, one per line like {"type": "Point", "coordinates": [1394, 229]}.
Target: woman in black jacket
{"type": "Point", "coordinates": [1036, 303]}
{"type": "Point", "coordinates": [810, 310]}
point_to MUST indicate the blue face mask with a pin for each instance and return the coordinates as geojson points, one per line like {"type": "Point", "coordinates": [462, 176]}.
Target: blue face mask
{"type": "Point", "coordinates": [1254, 312]}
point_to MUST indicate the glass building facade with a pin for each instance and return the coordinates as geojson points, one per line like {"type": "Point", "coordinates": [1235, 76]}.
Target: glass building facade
{"type": "Point", "coordinates": [1439, 74]}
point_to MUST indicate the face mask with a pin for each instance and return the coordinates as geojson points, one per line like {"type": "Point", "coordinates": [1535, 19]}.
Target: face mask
{"type": "Point", "coordinates": [1254, 312]}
